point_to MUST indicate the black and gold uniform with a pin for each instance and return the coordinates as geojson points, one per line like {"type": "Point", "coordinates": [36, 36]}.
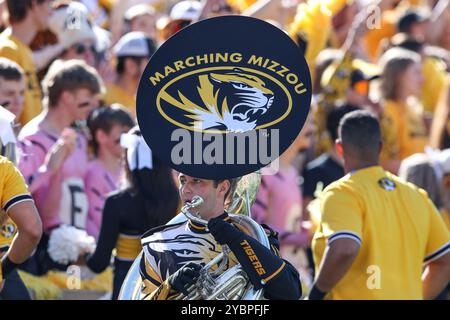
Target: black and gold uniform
{"type": "Point", "coordinates": [123, 223]}
{"type": "Point", "coordinates": [169, 248]}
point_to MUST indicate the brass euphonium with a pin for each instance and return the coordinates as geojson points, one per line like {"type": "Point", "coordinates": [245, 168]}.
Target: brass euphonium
{"type": "Point", "coordinates": [218, 284]}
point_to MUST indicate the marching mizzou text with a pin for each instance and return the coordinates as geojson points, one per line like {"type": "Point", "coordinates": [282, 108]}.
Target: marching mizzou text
{"type": "Point", "coordinates": [236, 57]}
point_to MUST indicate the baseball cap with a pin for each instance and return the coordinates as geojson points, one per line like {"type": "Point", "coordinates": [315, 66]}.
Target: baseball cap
{"type": "Point", "coordinates": [186, 10]}
{"type": "Point", "coordinates": [71, 24]}
{"type": "Point", "coordinates": [138, 10]}
{"type": "Point", "coordinates": [360, 78]}
{"type": "Point", "coordinates": [442, 157]}
{"type": "Point", "coordinates": [347, 73]}
{"type": "Point", "coordinates": [440, 160]}
{"type": "Point", "coordinates": [133, 44]}
{"type": "Point", "coordinates": [410, 17]}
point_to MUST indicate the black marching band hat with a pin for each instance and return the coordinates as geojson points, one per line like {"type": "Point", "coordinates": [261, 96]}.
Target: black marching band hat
{"type": "Point", "coordinates": [224, 97]}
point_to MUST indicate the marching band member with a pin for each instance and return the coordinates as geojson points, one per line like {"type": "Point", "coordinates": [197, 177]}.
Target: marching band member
{"type": "Point", "coordinates": [174, 254]}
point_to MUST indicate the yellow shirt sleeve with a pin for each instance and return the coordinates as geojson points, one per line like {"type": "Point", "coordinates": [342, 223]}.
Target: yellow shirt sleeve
{"type": "Point", "coordinates": [341, 215]}
{"type": "Point", "coordinates": [446, 217]}
{"type": "Point", "coordinates": [434, 73]}
{"type": "Point", "coordinates": [8, 51]}
{"type": "Point", "coordinates": [12, 49]}
{"type": "Point", "coordinates": [438, 236]}
{"type": "Point", "coordinates": [13, 187]}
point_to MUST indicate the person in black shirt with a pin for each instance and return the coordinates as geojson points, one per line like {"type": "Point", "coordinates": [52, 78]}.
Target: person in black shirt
{"type": "Point", "coordinates": [150, 199]}
{"type": "Point", "coordinates": [326, 168]}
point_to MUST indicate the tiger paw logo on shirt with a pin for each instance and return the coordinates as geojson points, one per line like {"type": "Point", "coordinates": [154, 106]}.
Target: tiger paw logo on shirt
{"type": "Point", "coordinates": [7, 232]}
{"type": "Point", "coordinates": [224, 97]}
{"type": "Point", "coordinates": [387, 184]}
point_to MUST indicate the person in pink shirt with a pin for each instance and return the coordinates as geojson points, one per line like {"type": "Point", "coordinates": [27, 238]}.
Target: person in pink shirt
{"type": "Point", "coordinates": [54, 156]}
{"type": "Point", "coordinates": [278, 202]}
{"type": "Point", "coordinates": [106, 125]}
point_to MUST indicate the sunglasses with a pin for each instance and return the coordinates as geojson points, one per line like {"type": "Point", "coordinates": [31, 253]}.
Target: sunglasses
{"type": "Point", "coordinates": [82, 48]}
{"type": "Point", "coordinates": [84, 105]}
{"type": "Point", "coordinates": [222, 8]}
{"type": "Point", "coordinates": [362, 87]}
{"type": "Point", "coordinates": [5, 104]}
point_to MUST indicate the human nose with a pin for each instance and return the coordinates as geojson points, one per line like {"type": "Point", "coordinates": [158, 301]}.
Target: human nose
{"type": "Point", "coordinates": [186, 189]}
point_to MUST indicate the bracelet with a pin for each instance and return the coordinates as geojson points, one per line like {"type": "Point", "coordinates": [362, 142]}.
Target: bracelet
{"type": "Point", "coordinates": [8, 266]}
{"type": "Point", "coordinates": [316, 294]}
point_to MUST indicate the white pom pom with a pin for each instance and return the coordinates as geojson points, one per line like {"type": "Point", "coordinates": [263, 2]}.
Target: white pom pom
{"type": "Point", "coordinates": [67, 243]}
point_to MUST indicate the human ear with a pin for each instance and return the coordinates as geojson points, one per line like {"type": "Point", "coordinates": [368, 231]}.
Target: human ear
{"type": "Point", "coordinates": [339, 147]}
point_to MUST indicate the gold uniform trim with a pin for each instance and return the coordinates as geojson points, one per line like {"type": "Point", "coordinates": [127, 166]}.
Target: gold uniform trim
{"type": "Point", "coordinates": [128, 247]}
{"type": "Point", "coordinates": [275, 273]}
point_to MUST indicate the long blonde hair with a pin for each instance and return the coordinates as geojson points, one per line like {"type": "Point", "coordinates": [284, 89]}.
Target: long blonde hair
{"type": "Point", "coordinates": [394, 62]}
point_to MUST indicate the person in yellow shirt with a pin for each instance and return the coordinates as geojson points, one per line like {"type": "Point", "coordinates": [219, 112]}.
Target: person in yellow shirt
{"type": "Point", "coordinates": [313, 27]}
{"type": "Point", "coordinates": [401, 83]}
{"type": "Point", "coordinates": [376, 231]}
{"type": "Point", "coordinates": [433, 69]}
{"type": "Point", "coordinates": [132, 51]}
{"type": "Point", "coordinates": [17, 213]}
{"type": "Point", "coordinates": [20, 232]}
{"type": "Point", "coordinates": [417, 25]}
{"type": "Point", "coordinates": [26, 18]}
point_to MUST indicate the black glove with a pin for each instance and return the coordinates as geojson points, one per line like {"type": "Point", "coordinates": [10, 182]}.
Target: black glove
{"type": "Point", "coordinates": [185, 277]}
{"type": "Point", "coordinates": [224, 232]}
{"type": "Point", "coordinates": [259, 262]}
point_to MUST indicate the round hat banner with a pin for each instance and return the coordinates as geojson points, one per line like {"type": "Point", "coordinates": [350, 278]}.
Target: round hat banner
{"type": "Point", "coordinates": [224, 97]}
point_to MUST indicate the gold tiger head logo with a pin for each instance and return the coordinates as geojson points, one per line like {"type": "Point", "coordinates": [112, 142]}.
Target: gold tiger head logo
{"type": "Point", "coordinates": [8, 230]}
{"type": "Point", "coordinates": [231, 101]}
